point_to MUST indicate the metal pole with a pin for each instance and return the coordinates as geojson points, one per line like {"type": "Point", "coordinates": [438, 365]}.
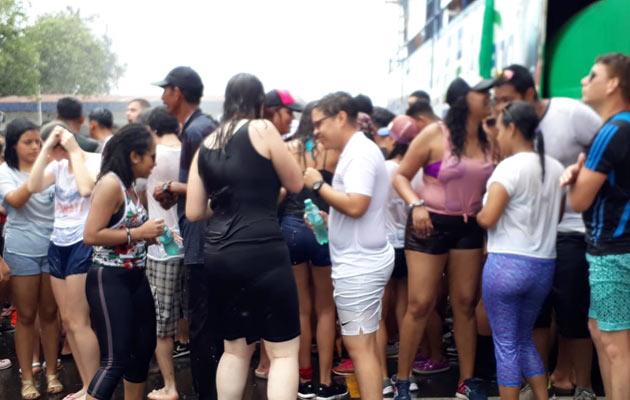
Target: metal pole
{"type": "Point", "coordinates": [39, 105]}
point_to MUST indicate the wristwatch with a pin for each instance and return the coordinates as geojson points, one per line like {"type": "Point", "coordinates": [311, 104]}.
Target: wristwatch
{"type": "Point", "coordinates": [413, 205]}
{"type": "Point", "coordinates": [317, 185]}
{"type": "Point", "coordinates": [166, 186]}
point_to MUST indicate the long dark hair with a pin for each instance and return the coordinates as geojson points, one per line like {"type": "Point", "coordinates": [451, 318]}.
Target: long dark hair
{"type": "Point", "coordinates": [116, 155]}
{"type": "Point", "coordinates": [244, 99]}
{"type": "Point", "coordinates": [304, 134]}
{"type": "Point", "coordinates": [15, 130]}
{"type": "Point", "coordinates": [524, 116]}
{"type": "Point", "coordinates": [455, 120]}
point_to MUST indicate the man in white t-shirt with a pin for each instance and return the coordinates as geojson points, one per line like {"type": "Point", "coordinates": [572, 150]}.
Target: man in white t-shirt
{"type": "Point", "coordinates": [568, 127]}
{"type": "Point", "coordinates": [362, 258]}
{"type": "Point", "coordinates": [165, 271]}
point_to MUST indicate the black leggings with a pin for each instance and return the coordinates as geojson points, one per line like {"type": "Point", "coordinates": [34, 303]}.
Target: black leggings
{"type": "Point", "coordinates": [123, 314]}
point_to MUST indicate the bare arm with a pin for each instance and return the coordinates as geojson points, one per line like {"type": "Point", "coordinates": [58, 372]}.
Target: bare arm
{"type": "Point", "coordinates": [417, 156]}
{"type": "Point", "coordinates": [19, 197]}
{"type": "Point", "coordinates": [197, 205]}
{"type": "Point", "coordinates": [106, 200]}
{"type": "Point", "coordinates": [584, 184]}
{"type": "Point", "coordinates": [496, 202]}
{"type": "Point", "coordinates": [86, 180]}
{"type": "Point", "coordinates": [352, 204]}
{"type": "Point", "coordinates": [38, 180]}
{"type": "Point", "coordinates": [283, 162]}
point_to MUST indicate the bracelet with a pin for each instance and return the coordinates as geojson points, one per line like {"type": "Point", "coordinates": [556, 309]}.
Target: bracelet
{"type": "Point", "coordinates": [166, 186]}
{"type": "Point", "coordinates": [128, 235]}
{"type": "Point", "coordinates": [415, 204]}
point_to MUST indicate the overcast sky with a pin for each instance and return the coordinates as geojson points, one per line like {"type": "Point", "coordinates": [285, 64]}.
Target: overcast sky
{"type": "Point", "coordinates": [309, 47]}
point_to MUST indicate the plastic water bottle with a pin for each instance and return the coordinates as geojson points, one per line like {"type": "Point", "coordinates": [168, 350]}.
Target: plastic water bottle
{"type": "Point", "coordinates": [319, 226]}
{"type": "Point", "coordinates": [168, 242]}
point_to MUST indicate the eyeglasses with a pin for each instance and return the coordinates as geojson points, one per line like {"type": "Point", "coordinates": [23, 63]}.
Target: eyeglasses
{"type": "Point", "coordinates": [591, 76]}
{"type": "Point", "coordinates": [317, 124]}
{"type": "Point", "coordinates": [491, 122]}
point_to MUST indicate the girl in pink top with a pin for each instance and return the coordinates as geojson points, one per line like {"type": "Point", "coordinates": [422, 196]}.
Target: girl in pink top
{"type": "Point", "coordinates": [441, 227]}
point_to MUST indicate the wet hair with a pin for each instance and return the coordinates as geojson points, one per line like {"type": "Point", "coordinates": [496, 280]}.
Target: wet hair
{"type": "Point", "coordinates": [364, 103]}
{"type": "Point", "coordinates": [161, 122]}
{"type": "Point", "coordinates": [103, 117]}
{"type": "Point", "coordinates": [305, 130]}
{"type": "Point", "coordinates": [143, 117]}
{"type": "Point", "coordinates": [455, 120]}
{"type": "Point", "coordinates": [333, 103]}
{"type": "Point", "coordinates": [69, 108]}
{"type": "Point", "coordinates": [420, 107]}
{"type": "Point", "coordinates": [116, 155]}
{"type": "Point", "coordinates": [244, 99]}
{"type": "Point", "coordinates": [144, 104]}
{"type": "Point", "coordinates": [524, 116]}
{"type": "Point", "coordinates": [618, 66]}
{"type": "Point", "coordinates": [15, 130]}
{"type": "Point", "coordinates": [382, 117]}
{"type": "Point", "coordinates": [421, 95]}
{"type": "Point", "coordinates": [48, 127]}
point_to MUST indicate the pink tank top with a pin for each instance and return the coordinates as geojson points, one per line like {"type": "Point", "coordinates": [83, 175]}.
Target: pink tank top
{"type": "Point", "coordinates": [460, 184]}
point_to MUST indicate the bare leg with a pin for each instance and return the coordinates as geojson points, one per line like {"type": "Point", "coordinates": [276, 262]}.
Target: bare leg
{"type": "Point", "coordinates": [283, 372]}
{"type": "Point", "coordinates": [134, 391]}
{"type": "Point", "coordinates": [539, 386]}
{"type": "Point", "coordinates": [49, 323]}
{"type": "Point", "coordinates": [616, 346]}
{"type": "Point", "coordinates": [424, 277]}
{"type": "Point", "coordinates": [364, 353]}
{"type": "Point", "coordinates": [325, 310]}
{"type": "Point", "coordinates": [233, 369]}
{"type": "Point", "coordinates": [464, 274]}
{"type": "Point", "coordinates": [25, 290]}
{"type": "Point", "coordinates": [164, 356]}
{"type": "Point", "coordinates": [381, 334]}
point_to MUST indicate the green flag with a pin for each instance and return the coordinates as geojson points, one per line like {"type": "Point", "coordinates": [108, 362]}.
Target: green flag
{"type": "Point", "coordinates": [487, 41]}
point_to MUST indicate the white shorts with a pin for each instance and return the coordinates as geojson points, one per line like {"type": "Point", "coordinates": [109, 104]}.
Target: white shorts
{"type": "Point", "coordinates": [359, 301]}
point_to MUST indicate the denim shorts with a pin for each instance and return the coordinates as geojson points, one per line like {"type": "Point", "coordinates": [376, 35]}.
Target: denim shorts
{"type": "Point", "coordinates": [25, 266]}
{"type": "Point", "coordinates": [69, 260]}
{"type": "Point", "coordinates": [302, 244]}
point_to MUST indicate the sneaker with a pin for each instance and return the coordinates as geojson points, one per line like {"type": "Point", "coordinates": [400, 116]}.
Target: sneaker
{"type": "Point", "coordinates": [402, 390]}
{"type": "Point", "coordinates": [180, 349]}
{"type": "Point", "coordinates": [413, 387]}
{"type": "Point", "coordinates": [306, 390]}
{"type": "Point", "coordinates": [5, 363]}
{"type": "Point", "coordinates": [331, 392]}
{"type": "Point", "coordinates": [388, 388]}
{"type": "Point", "coordinates": [584, 394]}
{"type": "Point", "coordinates": [431, 367]}
{"type": "Point", "coordinates": [345, 368]}
{"type": "Point", "coordinates": [392, 350]}
{"type": "Point", "coordinates": [470, 389]}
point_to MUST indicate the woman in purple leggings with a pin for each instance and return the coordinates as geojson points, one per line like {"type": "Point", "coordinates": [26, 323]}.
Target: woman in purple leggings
{"type": "Point", "coordinates": [521, 212]}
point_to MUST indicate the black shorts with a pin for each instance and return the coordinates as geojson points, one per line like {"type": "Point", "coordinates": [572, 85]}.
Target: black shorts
{"type": "Point", "coordinates": [571, 291]}
{"type": "Point", "coordinates": [450, 232]}
{"type": "Point", "coordinates": [400, 265]}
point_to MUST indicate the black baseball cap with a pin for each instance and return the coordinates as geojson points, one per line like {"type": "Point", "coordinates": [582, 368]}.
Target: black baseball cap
{"type": "Point", "coordinates": [516, 75]}
{"type": "Point", "coordinates": [282, 98]}
{"type": "Point", "coordinates": [184, 78]}
{"type": "Point", "coordinates": [459, 88]}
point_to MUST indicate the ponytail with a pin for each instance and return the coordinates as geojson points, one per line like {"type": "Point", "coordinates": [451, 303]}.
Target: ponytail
{"type": "Point", "coordinates": [540, 149]}
{"type": "Point", "coordinates": [523, 115]}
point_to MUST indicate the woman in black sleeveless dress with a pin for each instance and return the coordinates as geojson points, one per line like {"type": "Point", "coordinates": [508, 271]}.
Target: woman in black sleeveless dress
{"type": "Point", "coordinates": [241, 168]}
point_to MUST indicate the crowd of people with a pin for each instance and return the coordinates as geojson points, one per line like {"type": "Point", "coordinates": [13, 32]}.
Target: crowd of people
{"type": "Point", "coordinates": [175, 233]}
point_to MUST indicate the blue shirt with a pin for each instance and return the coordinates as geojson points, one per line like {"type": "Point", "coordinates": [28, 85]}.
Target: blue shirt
{"type": "Point", "coordinates": [607, 228]}
{"type": "Point", "coordinates": [195, 130]}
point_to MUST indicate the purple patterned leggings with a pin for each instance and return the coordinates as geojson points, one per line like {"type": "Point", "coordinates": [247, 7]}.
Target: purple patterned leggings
{"type": "Point", "coordinates": [514, 288]}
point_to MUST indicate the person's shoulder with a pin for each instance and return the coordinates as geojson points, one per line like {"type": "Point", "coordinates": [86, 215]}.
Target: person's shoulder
{"type": "Point", "coordinates": [621, 121]}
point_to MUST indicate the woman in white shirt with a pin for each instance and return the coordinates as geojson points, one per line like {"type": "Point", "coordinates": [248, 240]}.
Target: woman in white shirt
{"type": "Point", "coordinates": [521, 211]}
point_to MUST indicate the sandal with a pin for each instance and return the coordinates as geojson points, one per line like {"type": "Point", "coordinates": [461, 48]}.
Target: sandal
{"type": "Point", "coordinates": [54, 386]}
{"type": "Point", "coordinates": [36, 368]}
{"type": "Point", "coordinates": [29, 391]}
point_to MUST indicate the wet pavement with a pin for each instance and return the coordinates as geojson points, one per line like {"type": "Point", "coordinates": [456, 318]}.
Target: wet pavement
{"type": "Point", "coordinates": [440, 386]}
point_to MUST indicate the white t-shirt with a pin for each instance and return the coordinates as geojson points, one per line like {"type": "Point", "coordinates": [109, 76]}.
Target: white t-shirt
{"type": "Point", "coordinates": [359, 246]}
{"type": "Point", "coordinates": [397, 210]}
{"type": "Point", "coordinates": [71, 209]}
{"type": "Point", "coordinates": [166, 169]}
{"type": "Point", "coordinates": [528, 225]}
{"type": "Point", "coordinates": [568, 127]}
